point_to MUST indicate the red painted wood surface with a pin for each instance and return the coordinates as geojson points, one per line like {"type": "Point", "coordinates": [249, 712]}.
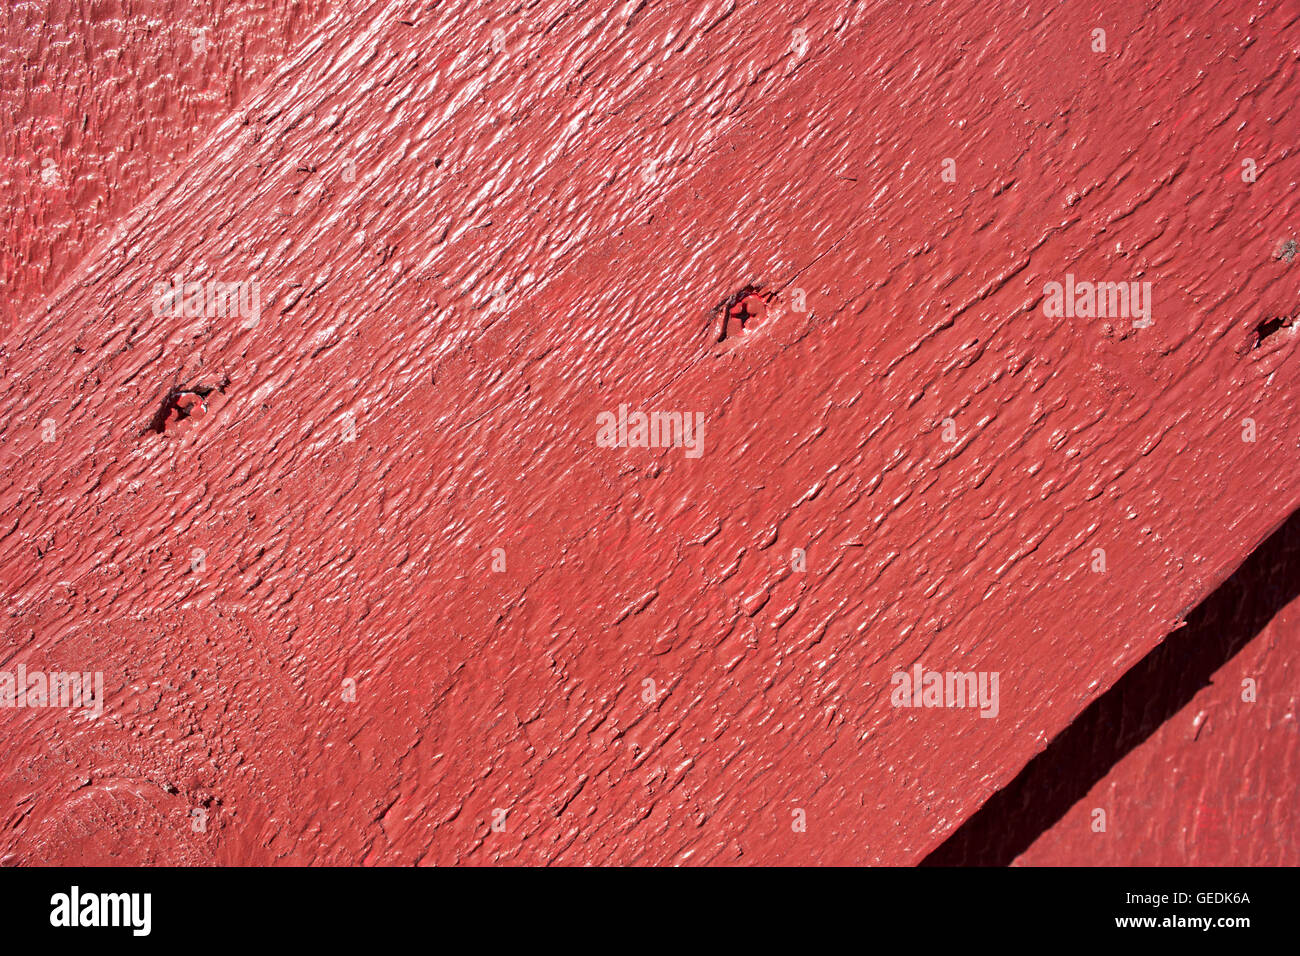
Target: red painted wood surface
{"type": "Point", "coordinates": [1215, 785]}
{"type": "Point", "coordinates": [469, 245]}
{"type": "Point", "coordinates": [1188, 759]}
{"type": "Point", "coordinates": [102, 102]}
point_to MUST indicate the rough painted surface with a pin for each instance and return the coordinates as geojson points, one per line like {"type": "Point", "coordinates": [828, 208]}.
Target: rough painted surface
{"type": "Point", "coordinates": [552, 221]}
{"type": "Point", "coordinates": [103, 101]}
{"type": "Point", "coordinates": [1190, 758]}
{"type": "Point", "coordinates": [1224, 770]}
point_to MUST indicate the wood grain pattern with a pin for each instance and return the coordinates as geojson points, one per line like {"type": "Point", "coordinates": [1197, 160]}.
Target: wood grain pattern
{"type": "Point", "coordinates": [468, 247]}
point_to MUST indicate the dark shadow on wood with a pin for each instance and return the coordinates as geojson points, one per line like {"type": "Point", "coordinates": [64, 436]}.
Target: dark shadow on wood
{"type": "Point", "coordinates": [1155, 689]}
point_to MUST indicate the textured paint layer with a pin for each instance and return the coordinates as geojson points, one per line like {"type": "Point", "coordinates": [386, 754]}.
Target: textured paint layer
{"type": "Point", "coordinates": [1216, 786]}
{"type": "Point", "coordinates": [1190, 759]}
{"type": "Point", "coordinates": [101, 102]}
{"type": "Point", "coordinates": [477, 228]}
